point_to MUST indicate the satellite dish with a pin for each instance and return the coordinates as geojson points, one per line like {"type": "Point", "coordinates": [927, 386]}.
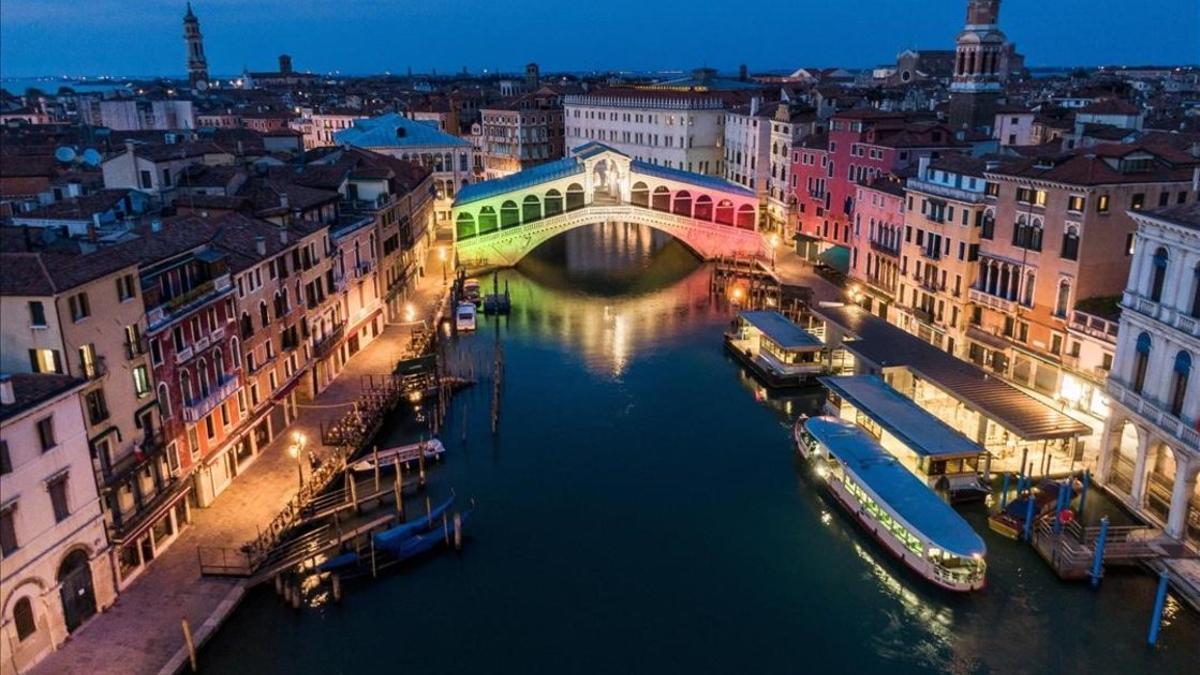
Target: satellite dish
{"type": "Point", "coordinates": [91, 157]}
{"type": "Point", "coordinates": [64, 154]}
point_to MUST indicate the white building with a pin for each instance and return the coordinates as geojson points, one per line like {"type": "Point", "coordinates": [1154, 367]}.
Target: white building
{"type": "Point", "coordinates": [748, 145]}
{"type": "Point", "coordinates": [678, 124]}
{"type": "Point", "coordinates": [1151, 446]}
{"type": "Point", "coordinates": [318, 128]}
{"type": "Point", "coordinates": [133, 115]}
{"type": "Point", "coordinates": [55, 572]}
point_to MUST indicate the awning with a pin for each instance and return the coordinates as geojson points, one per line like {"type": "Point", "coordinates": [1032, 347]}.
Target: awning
{"type": "Point", "coordinates": [837, 257]}
{"type": "Point", "coordinates": [778, 329]}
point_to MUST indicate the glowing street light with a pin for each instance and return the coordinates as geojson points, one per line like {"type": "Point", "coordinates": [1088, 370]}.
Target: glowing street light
{"type": "Point", "coordinates": [774, 245]}
{"type": "Point", "coordinates": [296, 450]}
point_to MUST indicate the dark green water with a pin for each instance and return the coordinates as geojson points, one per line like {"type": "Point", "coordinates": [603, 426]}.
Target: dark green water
{"type": "Point", "coordinates": [640, 511]}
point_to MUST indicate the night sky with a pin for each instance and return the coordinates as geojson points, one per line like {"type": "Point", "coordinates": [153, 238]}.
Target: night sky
{"type": "Point", "coordinates": [365, 36]}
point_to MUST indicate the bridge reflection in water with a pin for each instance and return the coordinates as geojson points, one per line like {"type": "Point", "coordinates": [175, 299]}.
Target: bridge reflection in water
{"type": "Point", "coordinates": [608, 290]}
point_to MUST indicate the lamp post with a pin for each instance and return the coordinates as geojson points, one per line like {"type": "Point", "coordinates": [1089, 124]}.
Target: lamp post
{"type": "Point", "coordinates": [774, 245]}
{"type": "Point", "coordinates": [296, 450]}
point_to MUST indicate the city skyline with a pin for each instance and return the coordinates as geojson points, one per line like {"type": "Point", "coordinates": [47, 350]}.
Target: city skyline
{"type": "Point", "coordinates": [238, 36]}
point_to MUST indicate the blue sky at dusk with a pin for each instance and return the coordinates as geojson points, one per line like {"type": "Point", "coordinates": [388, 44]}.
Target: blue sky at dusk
{"type": "Point", "coordinates": [365, 36]}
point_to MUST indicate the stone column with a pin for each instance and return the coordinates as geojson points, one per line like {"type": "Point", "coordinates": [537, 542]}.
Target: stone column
{"type": "Point", "coordinates": [1186, 470]}
{"type": "Point", "coordinates": [1110, 444]}
{"type": "Point", "coordinates": [1138, 491]}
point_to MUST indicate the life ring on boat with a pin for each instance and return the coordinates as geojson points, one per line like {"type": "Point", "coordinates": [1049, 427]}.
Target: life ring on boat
{"type": "Point", "coordinates": [1066, 516]}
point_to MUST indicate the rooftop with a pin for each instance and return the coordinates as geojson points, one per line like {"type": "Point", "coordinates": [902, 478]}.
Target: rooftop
{"type": "Point", "coordinates": [923, 433]}
{"type": "Point", "coordinates": [396, 131]}
{"type": "Point", "coordinates": [32, 389]}
{"type": "Point", "coordinates": [893, 485]}
{"type": "Point", "coordinates": [778, 329]}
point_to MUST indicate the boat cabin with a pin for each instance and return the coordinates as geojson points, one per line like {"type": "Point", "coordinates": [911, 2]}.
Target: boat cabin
{"type": "Point", "coordinates": [920, 529]}
{"type": "Point", "coordinates": [935, 452]}
{"type": "Point", "coordinates": [779, 352]}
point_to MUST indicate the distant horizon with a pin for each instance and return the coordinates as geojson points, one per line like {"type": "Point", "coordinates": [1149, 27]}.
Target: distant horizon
{"type": "Point", "coordinates": [366, 37]}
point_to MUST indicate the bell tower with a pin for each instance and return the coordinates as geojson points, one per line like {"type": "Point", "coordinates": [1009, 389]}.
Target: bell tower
{"type": "Point", "coordinates": [197, 65]}
{"type": "Point", "coordinates": [980, 67]}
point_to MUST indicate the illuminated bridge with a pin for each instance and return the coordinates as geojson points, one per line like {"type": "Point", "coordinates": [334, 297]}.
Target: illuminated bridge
{"type": "Point", "coordinates": [498, 222]}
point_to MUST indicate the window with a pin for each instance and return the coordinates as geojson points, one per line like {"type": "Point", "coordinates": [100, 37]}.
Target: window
{"type": "Point", "coordinates": [37, 314]}
{"type": "Point", "coordinates": [1137, 201]}
{"type": "Point", "coordinates": [45, 430]}
{"type": "Point", "coordinates": [1070, 243]}
{"type": "Point", "coordinates": [146, 179]}
{"type": "Point", "coordinates": [5, 459]}
{"type": "Point", "coordinates": [97, 407]}
{"type": "Point", "coordinates": [1179, 381]}
{"type": "Point", "coordinates": [1064, 297]}
{"type": "Point", "coordinates": [57, 487]}
{"type": "Point", "coordinates": [1076, 203]}
{"type": "Point", "coordinates": [8, 544]}
{"type": "Point", "coordinates": [1158, 275]}
{"type": "Point", "coordinates": [141, 381]}
{"type": "Point", "coordinates": [80, 308]}
{"type": "Point", "coordinates": [1102, 204]}
{"type": "Point", "coordinates": [1141, 360]}
{"type": "Point", "coordinates": [210, 429]}
{"type": "Point", "coordinates": [164, 400]}
{"type": "Point", "coordinates": [125, 288]}
{"type": "Point", "coordinates": [156, 355]}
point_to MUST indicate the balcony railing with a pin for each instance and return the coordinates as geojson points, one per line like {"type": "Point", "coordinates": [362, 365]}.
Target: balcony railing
{"type": "Point", "coordinates": [326, 342]}
{"type": "Point", "coordinates": [931, 253]}
{"type": "Point", "coordinates": [957, 194]}
{"type": "Point", "coordinates": [1094, 326]}
{"type": "Point", "coordinates": [886, 249]}
{"type": "Point", "coordinates": [923, 314]}
{"type": "Point", "coordinates": [1171, 316]}
{"type": "Point", "coordinates": [184, 354]}
{"type": "Point", "coordinates": [96, 369]}
{"type": "Point", "coordinates": [178, 305]}
{"type": "Point", "coordinates": [994, 302]}
{"type": "Point", "coordinates": [1154, 413]}
{"type": "Point", "coordinates": [135, 349]}
{"type": "Point", "coordinates": [196, 409]}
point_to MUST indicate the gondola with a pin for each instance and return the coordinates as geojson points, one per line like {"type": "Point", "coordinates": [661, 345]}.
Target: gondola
{"type": "Point", "coordinates": [403, 454]}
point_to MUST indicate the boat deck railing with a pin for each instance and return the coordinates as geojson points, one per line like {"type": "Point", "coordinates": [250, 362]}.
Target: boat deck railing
{"type": "Point", "coordinates": [1071, 549]}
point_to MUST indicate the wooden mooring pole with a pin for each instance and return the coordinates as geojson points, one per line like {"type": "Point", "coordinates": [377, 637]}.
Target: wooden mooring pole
{"type": "Point", "coordinates": [191, 645]}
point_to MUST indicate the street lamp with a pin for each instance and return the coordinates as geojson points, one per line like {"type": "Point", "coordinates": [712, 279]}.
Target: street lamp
{"type": "Point", "coordinates": [296, 450]}
{"type": "Point", "coordinates": [774, 245]}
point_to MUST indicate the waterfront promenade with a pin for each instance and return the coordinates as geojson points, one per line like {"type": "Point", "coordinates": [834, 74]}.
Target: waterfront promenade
{"type": "Point", "coordinates": [142, 632]}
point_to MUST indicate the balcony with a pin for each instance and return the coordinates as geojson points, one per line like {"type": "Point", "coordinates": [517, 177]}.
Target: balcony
{"type": "Point", "coordinates": [957, 194]}
{"type": "Point", "coordinates": [885, 249]}
{"type": "Point", "coordinates": [923, 315]}
{"type": "Point", "coordinates": [179, 305]}
{"type": "Point", "coordinates": [1094, 326]}
{"type": "Point", "coordinates": [1179, 320]}
{"type": "Point", "coordinates": [362, 269]}
{"type": "Point", "coordinates": [184, 354]}
{"type": "Point", "coordinates": [931, 253]}
{"type": "Point", "coordinates": [1154, 413]}
{"type": "Point", "coordinates": [992, 301]}
{"type": "Point", "coordinates": [931, 285]}
{"type": "Point", "coordinates": [135, 349]}
{"type": "Point", "coordinates": [94, 370]}
{"type": "Point", "coordinates": [196, 409]}
{"type": "Point", "coordinates": [321, 347]}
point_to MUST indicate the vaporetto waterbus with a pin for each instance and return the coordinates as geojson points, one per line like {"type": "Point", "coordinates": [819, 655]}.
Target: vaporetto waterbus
{"type": "Point", "coordinates": [895, 506]}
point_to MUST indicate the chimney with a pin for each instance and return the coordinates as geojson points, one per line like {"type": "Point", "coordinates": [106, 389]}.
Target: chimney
{"type": "Point", "coordinates": [156, 225]}
{"type": "Point", "coordinates": [283, 200]}
{"type": "Point", "coordinates": [283, 236]}
{"type": "Point", "coordinates": [240, 149]}
{"type": "Point", "coordinates": [260, 245]}
{"type": "Point", "coordinates": [743, 73]}
{"type": "Point", "coordinates": [7, 397]}
{"type": "Point", "coordinates": [755, 103]}
{"type": "Point", "coordinates": [923, 167]}
{"type": "Point", "coordinates": [1196, 179]}
{"type": "Point", "coordinates": [129, 146]}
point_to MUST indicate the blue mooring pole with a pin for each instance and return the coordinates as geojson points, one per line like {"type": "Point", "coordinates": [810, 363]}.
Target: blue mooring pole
{"type": "Point", "coordinates": [1159, 600]}
{"type": "Point", "coordinates": [1059, 506]}
{"type": "Point", "coordinates": [1029, 516]}
{"type": "Point", "coordinates": [1004, 493]}
{"type": "Point", "coordinates": [1098, 560]}
{"type": "Point", "coordinates": [1087, 479]}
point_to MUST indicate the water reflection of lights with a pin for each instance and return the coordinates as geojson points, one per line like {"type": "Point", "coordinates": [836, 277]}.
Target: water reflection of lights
{"type": "Point", "coordinates": [935, 619]}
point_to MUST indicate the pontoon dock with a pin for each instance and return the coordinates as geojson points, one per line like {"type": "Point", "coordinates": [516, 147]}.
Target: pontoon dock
{"type": "Point", "coordinates": [777, 351]}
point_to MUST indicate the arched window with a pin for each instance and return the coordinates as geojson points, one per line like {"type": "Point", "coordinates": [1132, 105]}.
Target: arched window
{"type": "Point", "coordinates": [640, 194]}
{"type": "Point", "coordinates": [574, 196]}
{"type": "Point", "coordinates": [1158, 274]}
{"type": "Point", "coordinates": [465, 224]}
{"type": "Point", "coordinates": [1070, 243]}
{"type": "Point", "coordinates": [988, 227]}
{"type": "Point", "coordinates": [185, 387]}
{"type": "Point", "coordinates": [554, 203]}
{"type": "Point", "coordinates": [247, 327]}
{"type": "Point", "coordinates": [724, 212]}
{"type": "Point", "coordinates": [487, 220]}
{"type": "Point", "coordinates": [745, 217]}
{"type": "Point", "coordinates": [1140, 361]}
{"type": "Point", "coordinates": [1196, 292]}
{"type": "Point", "coordinates": [281, 307]}
{"type": "Point", "coordinates": [202, 374]}
{"type": "Point", "coordinates": [23, 617]}
{"type": "Point", "coordinates": [661, 199]}
{"type": "Point", "coordinates": [509, 214]}
{"type": "Point", "coordinates": [703, 209]}
{"type": "Point", "coordinates": [1179, 381]}
{"type": "Point", "coordinates": [1035, 235]}
{"type": "Point", "coordinates": [234, 354]}
{"type": "Point", "coordinates": [262, 313]}
{"type": "Point", "coordinates": [164, 400]}
{"type": "Point", "coordinates": [531, 209]}
{"type": "Point", "coordinates": [1030, 283]}
{"type": "Point", "coordinates": [1021, 233]}
{"type": "Point", "coordinates": [1064, 297]}
{"type": "Point", "coordinates": [219, 362]}
{"type": "Point", "coordinates": [682, 204]}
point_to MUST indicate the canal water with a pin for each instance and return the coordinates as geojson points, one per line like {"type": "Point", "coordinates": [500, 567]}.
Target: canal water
{"type": "Point", "coordinates": [640, 511]}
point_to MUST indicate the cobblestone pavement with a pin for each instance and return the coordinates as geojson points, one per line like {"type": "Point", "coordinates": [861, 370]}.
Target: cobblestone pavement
{"type": "Point", "coordinates": [142, 632]}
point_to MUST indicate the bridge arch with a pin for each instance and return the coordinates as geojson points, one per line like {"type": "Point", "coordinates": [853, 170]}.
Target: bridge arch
{"type": "Point", "coordinates": [639, 194]}
{"type": "Point", "coordinates": [681, 203]}
{"type": "Point", "coordinates": [660, 200]}
{"type": "Point", "coordinates": [487, 220]}
{"type": "Point", "coordinates": [554, 203]}
{"type": "Point", "coordinates": [531, 209]}
{"type": "Point", "coordinates": [510, 215]}
{"type": "Point", "coordinates": [703, 209]}
{"type": "Point", "coordinates": [464, 223]}
{"type": "Point", "coordinates": [575, 196]}
{"type": "Point", "coordinates": [724, 212]}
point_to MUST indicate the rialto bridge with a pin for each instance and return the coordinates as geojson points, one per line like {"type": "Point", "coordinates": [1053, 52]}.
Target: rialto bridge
{"type": "Point", "coordinates": [498, 222]}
